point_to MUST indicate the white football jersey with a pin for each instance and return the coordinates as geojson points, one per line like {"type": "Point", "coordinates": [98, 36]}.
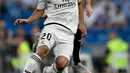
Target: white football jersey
{"type": "Point", "coordinates": [64, 12]}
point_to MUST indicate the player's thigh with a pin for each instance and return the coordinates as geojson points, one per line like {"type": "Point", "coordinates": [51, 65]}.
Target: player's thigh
{"type": "Point", "coordinates": [64, 43]}
{"type": "Point", "coordinates": [46, 38]}
{"type": "Point", "coordinates": [63, 49]}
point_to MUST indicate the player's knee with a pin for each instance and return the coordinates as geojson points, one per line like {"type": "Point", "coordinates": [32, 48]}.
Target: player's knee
{"type": "Point", "coordinates": [42, 50]}
{"type": "Point", "coordinates": [61, 62]}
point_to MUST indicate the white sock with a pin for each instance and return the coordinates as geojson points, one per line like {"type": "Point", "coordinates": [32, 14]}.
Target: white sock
{"type": "Point", "coordinates": [65, 70]}
{"type": "Point", "coordinates": [32, 63]}
{"type": "Point", "coordinates": [50, 69]}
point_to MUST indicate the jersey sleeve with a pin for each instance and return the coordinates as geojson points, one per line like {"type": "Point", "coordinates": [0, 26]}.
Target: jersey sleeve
{"type": "Point", "coordinates": [41, 4]}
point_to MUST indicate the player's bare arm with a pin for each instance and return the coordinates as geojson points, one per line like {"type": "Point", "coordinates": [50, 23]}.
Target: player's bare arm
{"type": "Point", "coordinates": [81, 20]}
{"type": "Point", "coordinates": [36, 15]}
{"type": "Point", "coordinates": [81, 16]}
{"type": "Point", "coordinates": [88, 8]}
{"type": "Point", "coordinates": [44, 15]}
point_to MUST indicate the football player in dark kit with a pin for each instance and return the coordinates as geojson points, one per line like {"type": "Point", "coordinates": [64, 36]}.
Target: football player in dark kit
{"type": "Point", "coordinates": [81, 32]}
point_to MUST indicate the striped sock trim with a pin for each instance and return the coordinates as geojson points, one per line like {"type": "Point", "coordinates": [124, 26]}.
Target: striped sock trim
{"type": "Point", "coordinates": [34, 57]}
{"type": "Point", "coordinates": [37, 56]}
{"type": "Point", "coordinates": [26, 71]}
{"type": "Point", "coordinates": [38, 60]}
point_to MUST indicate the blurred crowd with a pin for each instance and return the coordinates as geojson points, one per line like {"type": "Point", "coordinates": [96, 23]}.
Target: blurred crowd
{"type": "Point", "coordinates": [107, 41]}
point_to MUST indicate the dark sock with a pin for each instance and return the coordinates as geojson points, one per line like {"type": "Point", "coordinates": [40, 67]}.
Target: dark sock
{"type": "Point", "coordinates": [76, 54]}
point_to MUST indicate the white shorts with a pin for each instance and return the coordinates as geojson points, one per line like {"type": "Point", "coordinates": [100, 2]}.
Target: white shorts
{"type": "Point", "coordinates": [59, 39]}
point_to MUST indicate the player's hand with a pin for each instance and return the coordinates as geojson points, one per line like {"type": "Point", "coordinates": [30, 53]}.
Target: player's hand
{"type": "Point", "coordinates": [83, 30]}
{"type": "Point", "coordinates": [21, 21]}
{"type": "Point", "coordinates": [88, 10]}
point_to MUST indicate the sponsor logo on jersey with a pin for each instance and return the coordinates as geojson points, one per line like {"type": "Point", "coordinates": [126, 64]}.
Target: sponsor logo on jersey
{"type": "Point", "coordinates": [66, 3]}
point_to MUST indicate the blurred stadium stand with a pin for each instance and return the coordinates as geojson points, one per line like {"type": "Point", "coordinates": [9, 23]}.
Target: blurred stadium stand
{"type": "Point", "coordinates": [94, 43]}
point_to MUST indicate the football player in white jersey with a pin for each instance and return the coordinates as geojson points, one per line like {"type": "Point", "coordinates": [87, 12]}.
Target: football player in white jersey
{"type": "Point", "coordinates": [78, 66]}
{"type": "Point", "coordinates": [58, 33]}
